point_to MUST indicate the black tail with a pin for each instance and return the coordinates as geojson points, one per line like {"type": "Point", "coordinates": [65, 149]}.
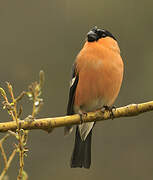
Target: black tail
{"type": "Point", "coordinates": [81, 156]}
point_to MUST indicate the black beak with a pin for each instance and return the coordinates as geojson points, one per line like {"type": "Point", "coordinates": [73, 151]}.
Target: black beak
{"type": "Point", "coordinates": [92, 36]}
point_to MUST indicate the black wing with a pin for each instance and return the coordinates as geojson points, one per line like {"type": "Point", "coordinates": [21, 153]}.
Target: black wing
{"type": "Point", "coordinates": [74, 82]}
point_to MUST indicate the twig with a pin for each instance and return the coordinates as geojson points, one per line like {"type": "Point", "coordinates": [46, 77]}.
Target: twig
{"type": "Point", "coordinates": [3, 154]}
{"type": "Point", "coordinates": [48, 123]}
{"type": "Point", "coordinates": [8, 164]}
{"type": "Point", "coordinates": [4, 138]}
{"type": "Point", "coordinates": [20, 134]}
{"type": "Point", "coordinates": [2, 149]}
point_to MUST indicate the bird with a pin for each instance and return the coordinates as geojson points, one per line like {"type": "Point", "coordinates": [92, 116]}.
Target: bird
{"type": "Point", "coordinates": [97, 76]}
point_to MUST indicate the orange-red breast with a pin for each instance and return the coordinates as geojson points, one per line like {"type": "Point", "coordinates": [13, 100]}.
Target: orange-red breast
{"type": "Point", "coordinates": [96, 81]}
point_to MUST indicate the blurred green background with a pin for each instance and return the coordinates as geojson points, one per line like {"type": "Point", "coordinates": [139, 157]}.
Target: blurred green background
{"type": "Point", "coordinates": [48, 34]}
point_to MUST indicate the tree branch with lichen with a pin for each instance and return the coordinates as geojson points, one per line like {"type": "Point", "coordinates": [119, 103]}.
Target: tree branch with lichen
{"type": "Point", "coordinates": [48, 124]}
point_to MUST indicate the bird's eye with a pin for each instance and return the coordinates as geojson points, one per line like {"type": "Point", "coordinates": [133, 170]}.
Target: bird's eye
{"type": "Point", "coordinates": [101, 33]}
{"type": "Point", "coordinates": [104, 33]}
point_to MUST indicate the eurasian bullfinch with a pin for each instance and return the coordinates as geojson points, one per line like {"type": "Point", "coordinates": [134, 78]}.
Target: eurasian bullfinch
{"type": "Point", "coordinates": [96, 81]}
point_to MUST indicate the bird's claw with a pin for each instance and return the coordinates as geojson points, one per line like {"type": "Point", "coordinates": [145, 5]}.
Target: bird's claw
{"type": "Point", "coordinates": [82, 115]}
{"type": "Point", "coordinates": [110, 109]}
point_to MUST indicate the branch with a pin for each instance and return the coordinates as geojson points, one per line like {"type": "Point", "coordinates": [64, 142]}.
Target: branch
{"type": "Point", "coordinates": [48, 124]}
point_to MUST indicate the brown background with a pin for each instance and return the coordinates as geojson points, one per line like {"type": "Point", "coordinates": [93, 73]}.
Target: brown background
{"type": "Point", "coordinates": [48, 34]}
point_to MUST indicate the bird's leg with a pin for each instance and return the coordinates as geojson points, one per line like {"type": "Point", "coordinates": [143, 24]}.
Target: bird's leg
{"type": "Point", "coordinates": [110, 109]}
{"type": "Point", "coordinates": [82, 115]}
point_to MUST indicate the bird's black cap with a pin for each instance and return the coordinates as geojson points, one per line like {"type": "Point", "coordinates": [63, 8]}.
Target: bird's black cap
{"type": "Point", "coordinates": [95, 34]}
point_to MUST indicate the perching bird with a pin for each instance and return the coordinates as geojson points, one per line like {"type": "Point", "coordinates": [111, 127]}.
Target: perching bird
{"type": "Point", "coordinates": [96, 81]}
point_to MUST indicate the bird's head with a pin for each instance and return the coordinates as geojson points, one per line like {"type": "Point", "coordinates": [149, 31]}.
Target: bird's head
{"type": "Point", "coordinates": [95, 34]}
